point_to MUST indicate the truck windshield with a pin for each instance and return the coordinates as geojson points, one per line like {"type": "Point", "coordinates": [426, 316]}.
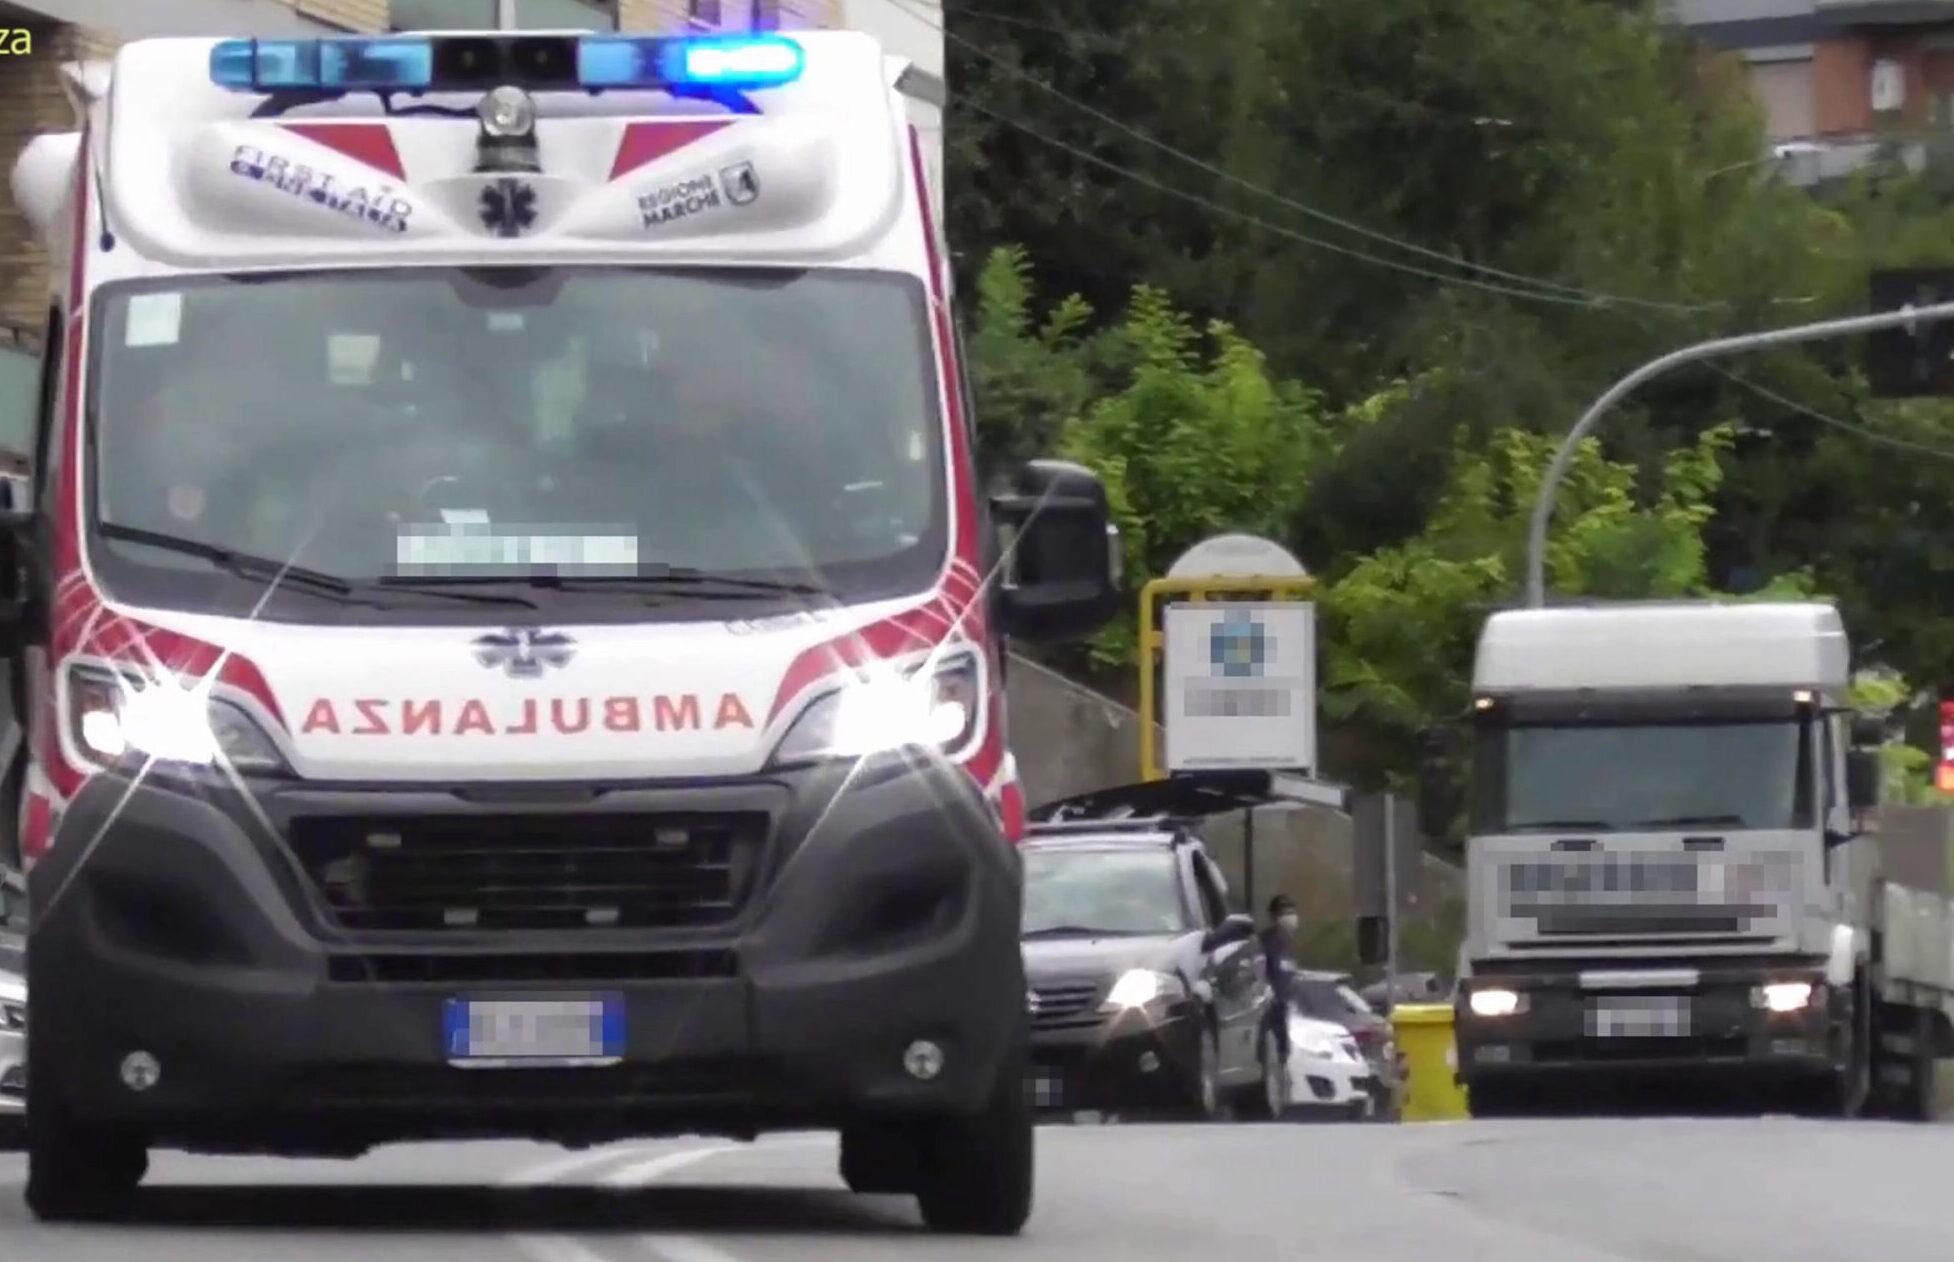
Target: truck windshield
{"type": "Point", "coordinates": [1644, 777]}
{"type": "Point", "coordinates": [581, 431]}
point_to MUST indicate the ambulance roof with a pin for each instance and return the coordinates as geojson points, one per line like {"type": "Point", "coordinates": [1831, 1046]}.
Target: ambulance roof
{"type": "Point", "coordinates": [1681, 644]}
{"type": "Point", "coordinates": [202, 176]}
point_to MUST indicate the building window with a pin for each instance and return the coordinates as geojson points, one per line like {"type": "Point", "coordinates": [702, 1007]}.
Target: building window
{"type": "Point", "coordinates": [479, 15]}
{"type": "Point", "coordinates": [703, 13]}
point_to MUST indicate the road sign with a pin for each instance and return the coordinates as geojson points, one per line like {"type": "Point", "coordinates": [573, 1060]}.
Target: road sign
{"type": "Point", "coordinates": [1241, 685]}
{"type": "Point", "coordinates": [1914, 360]}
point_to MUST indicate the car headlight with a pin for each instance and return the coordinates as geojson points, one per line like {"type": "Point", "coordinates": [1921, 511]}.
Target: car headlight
{"type": "Point", "coordinates": [117, 717]}
{"type": "Point", "coordinates": [1497, 1001]}
{"type": "Point", "coordinates": [1138, 987]}
{"type": "Point", "coordinates": [937, 705]}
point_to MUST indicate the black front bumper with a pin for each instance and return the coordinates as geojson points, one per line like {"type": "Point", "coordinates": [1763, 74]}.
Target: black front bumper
{"type": "Point", "coordinates": [1555, 1032]}
{"type": "Point", "coordinates": [295, 1003]}
{"type": "Point", "coordinates": [1104, 1063]}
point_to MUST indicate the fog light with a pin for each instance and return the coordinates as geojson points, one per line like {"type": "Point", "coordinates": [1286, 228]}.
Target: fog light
{"type": "Point", "coordinates": [923, 1060]}
{"type": "Point", "coordinates": [1149, 1063]}
{"type": "Point", "coordinates": [140, 1071]}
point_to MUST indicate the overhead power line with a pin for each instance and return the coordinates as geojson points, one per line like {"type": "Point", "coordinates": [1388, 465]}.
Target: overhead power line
{"type": "Point", "coordinates": [1588, 297]}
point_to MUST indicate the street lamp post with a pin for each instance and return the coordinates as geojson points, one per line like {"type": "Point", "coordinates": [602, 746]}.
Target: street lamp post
{"type": "Point", "coordinates": [505, 15]}
{"type": "Point", "coordinates": [1543, 504]}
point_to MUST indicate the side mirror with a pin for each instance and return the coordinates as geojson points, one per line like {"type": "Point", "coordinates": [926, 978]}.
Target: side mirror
{"type": "Point", "coordinates": [1863, 773]}
{"type": "Point", "coordinates": [1438, 802]}
{"type": "Point", "coordinates": [1868, 729]}
{"type": "Point", "coordinates": [1063, 555]}
{"type": "Point", "coordinates": [1373, 939]}
{"type": "Point", "coordinates": [1237, 928]}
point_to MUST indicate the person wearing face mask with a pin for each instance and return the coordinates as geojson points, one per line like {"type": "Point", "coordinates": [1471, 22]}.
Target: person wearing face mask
{"type": "Point", "coordinates": [1284, 921]}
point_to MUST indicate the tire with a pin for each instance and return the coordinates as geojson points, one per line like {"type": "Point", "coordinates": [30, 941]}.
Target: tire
{"type": "Point", "coordinates": [1204, 1098]}
{"type": "Point", "coordinates": [1845, 1091]}
{"type": "Point", "coordinates": [974, 1176]}
{"type": "Point", "coordinates": [77, 1172]}
{"type": "Point", "coordinates": [878, 1159]}
{"type": "Point", "coordinates": [1268, 1099]}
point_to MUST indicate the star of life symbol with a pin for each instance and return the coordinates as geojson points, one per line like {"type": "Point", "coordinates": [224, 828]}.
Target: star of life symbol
{"type": "Point", "coordinates": [523, 652]}
{"type": "Point", "coordinates": [508, 207]}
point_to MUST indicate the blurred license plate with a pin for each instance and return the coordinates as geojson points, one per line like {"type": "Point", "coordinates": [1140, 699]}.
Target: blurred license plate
{"type": "Point", "coordinates": [1640, 1016]}
{"type": "Point", "coordinates": [553, 1030]}
{"type": "Point", "coordinates": [1045, 1089]}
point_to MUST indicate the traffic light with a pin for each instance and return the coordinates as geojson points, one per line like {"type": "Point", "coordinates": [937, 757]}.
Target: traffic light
{"type": "Point", "coordinates": [1911, 361]}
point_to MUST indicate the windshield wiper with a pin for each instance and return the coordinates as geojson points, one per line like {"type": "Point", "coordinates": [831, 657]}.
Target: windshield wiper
{"type": "Point", "coordinates": [1561, 823]}
{"type": "Point", "coordinates": [1073, 931]}
{"type": "Point", "coordinates": [436, 587]}
{"type": "Point", "coordinates": [669, 577]}
{"type": "Point", "coordinates": [659, 579]}
{"type": "Point", "coordinates": [243, 564]}
{"type": "Point", "coordinates": [1683, 821]}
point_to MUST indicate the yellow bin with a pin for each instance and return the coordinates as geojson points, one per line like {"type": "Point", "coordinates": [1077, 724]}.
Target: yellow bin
{"type": "Point", "coordinates": [1424, 1033]}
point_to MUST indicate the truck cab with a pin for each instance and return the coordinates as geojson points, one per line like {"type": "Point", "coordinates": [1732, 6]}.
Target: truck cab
{"type": "Point", "coordinates": [513, 638]}
{"type": "Point", "coordinates": [1664, 849]}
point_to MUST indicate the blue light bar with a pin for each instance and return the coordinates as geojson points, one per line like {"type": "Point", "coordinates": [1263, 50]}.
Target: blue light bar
{"type": "Point", "coordinates": [296, 65]}
{"type": "Point", "coordinates": [733, 62]}
{"type": "Point", "coordinates": [737, 63]}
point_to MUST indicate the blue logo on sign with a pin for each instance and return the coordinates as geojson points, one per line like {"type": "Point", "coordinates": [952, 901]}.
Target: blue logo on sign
{"type": "Point", "coordinates": [1238, 647]}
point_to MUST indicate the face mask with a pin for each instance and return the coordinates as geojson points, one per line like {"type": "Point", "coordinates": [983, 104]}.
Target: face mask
{"type": "Point", "coordinates": [1290, 922]}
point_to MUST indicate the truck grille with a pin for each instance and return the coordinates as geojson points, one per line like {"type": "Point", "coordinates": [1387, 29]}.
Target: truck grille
{"type": "Point", "coordinates": [462, 873]}
{"type": "Point", "coordinates": [1647, 893]}
{"type": "Point", "coordinates": [1065, 1005]}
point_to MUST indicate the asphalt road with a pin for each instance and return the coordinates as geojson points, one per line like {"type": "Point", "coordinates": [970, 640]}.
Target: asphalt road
{"type": "Point", "coordinates": [1652, 1190]}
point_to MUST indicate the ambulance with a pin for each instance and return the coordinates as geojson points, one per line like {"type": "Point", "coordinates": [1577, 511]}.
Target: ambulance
{"type": "Point", "coordinates": [512, 637]}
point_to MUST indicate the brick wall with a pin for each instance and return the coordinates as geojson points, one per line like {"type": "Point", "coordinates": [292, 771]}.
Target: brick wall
{"type": "Point", "coordinates": [32, 102]}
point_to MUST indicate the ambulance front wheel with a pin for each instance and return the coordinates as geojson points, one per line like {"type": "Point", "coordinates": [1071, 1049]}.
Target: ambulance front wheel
{"type": "Point", "coordinates": [975, 1177]}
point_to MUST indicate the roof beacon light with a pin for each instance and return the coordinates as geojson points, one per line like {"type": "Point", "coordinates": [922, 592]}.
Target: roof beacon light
{"type": "Point", "coordinates": [288, 65]}
{"type": "Point", "coordinates": [733, 62]}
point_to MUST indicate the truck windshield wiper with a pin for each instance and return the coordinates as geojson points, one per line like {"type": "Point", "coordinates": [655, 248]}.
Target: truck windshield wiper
{"type": "Point", "coordinates": [1681, 821]}
{"type": "Point", "coordinates": [1076, 931]}
{"type": "Point", "coordinates": [243, 564]}
{"type": "Point", "coordinates": [1561, 823]}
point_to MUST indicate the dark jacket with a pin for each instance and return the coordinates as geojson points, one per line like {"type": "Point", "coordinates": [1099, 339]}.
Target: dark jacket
{"type": "Point", "coordinates": [1275, 961]}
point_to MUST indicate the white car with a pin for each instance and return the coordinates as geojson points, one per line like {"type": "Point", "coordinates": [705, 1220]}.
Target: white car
{"type": "Point", "coordinates": [13, 1042]}
{"type": "Point", "coordinates": [1327, 1070]}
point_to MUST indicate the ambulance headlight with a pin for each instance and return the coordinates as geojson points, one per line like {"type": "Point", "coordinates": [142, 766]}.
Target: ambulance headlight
{"type": "Point", "coordinates": [116, 719]}
{"type": "Point", "coordinates": [937, 707]}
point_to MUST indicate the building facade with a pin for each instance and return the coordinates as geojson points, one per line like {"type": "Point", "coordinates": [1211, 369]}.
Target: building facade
{"type": "Point", "coordinates": [32, 99]}
{"type": "Point", "coordinates": [1839, 80]}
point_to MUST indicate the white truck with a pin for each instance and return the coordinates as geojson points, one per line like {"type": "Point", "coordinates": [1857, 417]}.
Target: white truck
{"type": "Point", "coordinates": [1671, 865]}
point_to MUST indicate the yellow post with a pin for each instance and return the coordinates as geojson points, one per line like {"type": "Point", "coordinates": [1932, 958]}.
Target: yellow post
{"type": "Point", "coordinates": [1153, 642]}
{"type": "Point", "coordinates": [1424, 1032]}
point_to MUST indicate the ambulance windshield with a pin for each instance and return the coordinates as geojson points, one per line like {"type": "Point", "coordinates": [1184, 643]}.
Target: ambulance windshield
{"type": "Point", "coordinates": [562, 433]}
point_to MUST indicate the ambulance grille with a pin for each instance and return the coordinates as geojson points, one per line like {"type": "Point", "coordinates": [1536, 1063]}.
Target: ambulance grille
{"type": "Point", "coordinates": [475, 873]}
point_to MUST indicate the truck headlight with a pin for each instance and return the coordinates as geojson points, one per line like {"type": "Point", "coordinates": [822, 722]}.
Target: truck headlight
{"type": "Point", "coordinates": [937, 705]}
{"type": "Point", "coordinates": [1497, 1001]}
{"type": "Point", "coordinates": [1783, 996]}
{"type": "Point", "coordinates": [1138, 987]}
{"type": "Point", "coordinates": [116, 717]}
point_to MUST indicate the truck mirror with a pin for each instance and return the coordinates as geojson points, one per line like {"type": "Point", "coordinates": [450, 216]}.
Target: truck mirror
{"type": "Point", "coordinates": [1373, 939]}
{"type": "Point", "coordinates": [1868, 729]}
{"type": "Point", "coordinates": [1064, 556]}
{"type": "Point", "coordinates": [1437, 803]}
{"type": "Point", "coordinates": [1863, 772]}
